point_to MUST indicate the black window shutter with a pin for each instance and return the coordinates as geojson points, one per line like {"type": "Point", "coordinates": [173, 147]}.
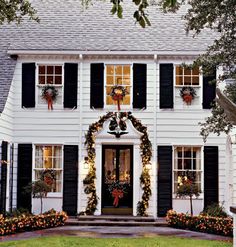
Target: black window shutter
{"type": "Point", "coordinates": [211, 184]}
{"type": "Point", "coordinates": [28, 85]}
{"type": "Point", "coordinates": [97, 85]}
{"type": "Point", "coordinates": [164, 179]}
{"type": "Point", "coordinates": [70, 179]}
{"type": "Point", "coordinates": [139, 86]}
{"type": "Point", "coordinates": [70, 85]}
{"type": "Point", "coordinates": [24, 175]}
{"type": "Point", "coordinates": [3, 178]}
{"type": "Point", "coordinates": [166, 86]}
{"type": "Point", "coordinates": [209, 91]}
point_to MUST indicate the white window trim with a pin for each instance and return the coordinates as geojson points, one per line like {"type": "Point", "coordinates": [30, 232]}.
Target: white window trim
{"type": "Point", "coordinates": [114, 107]}
{"type": "Point", "coordinates": [37, 86]}
{"type": "Point", "coordinates": [50, 194]}
{"type": "Point", "coordinates": [201, 196]}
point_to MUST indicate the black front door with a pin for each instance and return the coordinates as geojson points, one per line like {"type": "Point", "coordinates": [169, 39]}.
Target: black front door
{"type": "Point", "coordinates": [117, 180]}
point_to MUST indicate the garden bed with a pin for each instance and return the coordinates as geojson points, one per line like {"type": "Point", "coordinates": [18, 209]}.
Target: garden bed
{"type": "Point", "coordinates": [201, 223]}
{"type": "Point", "coordinates": [31, 222]}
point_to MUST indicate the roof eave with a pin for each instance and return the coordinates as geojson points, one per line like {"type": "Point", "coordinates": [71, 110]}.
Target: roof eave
{"type": "Point", "coordinates": [108, 52]}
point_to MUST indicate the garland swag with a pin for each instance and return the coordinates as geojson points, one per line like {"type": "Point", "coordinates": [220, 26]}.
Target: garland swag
{"type": "Point", "coordinates": [146, 154]}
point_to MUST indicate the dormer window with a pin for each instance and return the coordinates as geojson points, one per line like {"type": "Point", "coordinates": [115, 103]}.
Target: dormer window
{"type": "Point", "coordinates": [50, 75]}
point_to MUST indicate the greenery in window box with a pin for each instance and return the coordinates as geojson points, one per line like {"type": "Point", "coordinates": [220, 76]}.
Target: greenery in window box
{"type": "Point", "coordinates": [49, 93]}
{"type": "Point", "coordinates": [188, 94]}
{"type": "Point", "coordinates": [188, 188]}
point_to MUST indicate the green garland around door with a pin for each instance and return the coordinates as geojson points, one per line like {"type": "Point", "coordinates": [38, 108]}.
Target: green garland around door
{"type": "Point", "coordinates": [146, 154]}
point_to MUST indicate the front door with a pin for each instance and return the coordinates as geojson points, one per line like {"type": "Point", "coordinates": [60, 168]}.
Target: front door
{"type": "Point", "coordinates": [117, 180]}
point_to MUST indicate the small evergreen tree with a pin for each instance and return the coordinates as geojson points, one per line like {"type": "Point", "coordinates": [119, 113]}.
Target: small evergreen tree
{"type": "Point", "coordinates": [188, 188]}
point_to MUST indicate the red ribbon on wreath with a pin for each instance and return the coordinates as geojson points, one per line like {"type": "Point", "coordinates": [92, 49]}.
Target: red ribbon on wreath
{"type": "Point", "coordinates": [118, 98]}
{"type": "Point", "coordinates": [117, 194]}
{"type": "Point", "coordinates": [48, 97]}
{"type": "Point", "coordinates": [48, 180]}
{"type": "Point", "coordinates": [188, 98]}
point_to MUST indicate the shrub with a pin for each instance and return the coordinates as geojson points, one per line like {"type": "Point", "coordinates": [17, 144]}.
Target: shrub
{"type": "Point", "coordinates": [31, 222]}
{"type": "Point", "coordinates": [201, 223]}
{"type": "Point", "coordinates": [215, 210]}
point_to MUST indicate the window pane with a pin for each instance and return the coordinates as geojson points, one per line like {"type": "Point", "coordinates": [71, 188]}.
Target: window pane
{"type": "Point", "coordinates": [118, 80]}
{"type": "Point", "coordinates": [195, 80]}
{"type": "Point", "coordinates": [126, 100]}
{"type": "Point", "coordinates": [39, 162]}
{"type": "Point", "coordinates": [195, 71]}
{"type": "Point", "coordinates": [109, 100]}
{"type": "Point", "coordinates": [58, 70]}
{"type": "Point", "coordinates": [108, 90]}
{"type": "Point", "coordinates": [187, 80]}
{"type": "Point", "coordinates": [41, 69]}
{"type": "Point", "coordinates": [110, 69]}
{"type": "Point", "coordinates": [179, 70]}
{"type": "Point", "coordinates": [50, 70]}
{"type": "Point", "coordinates": [49, 79]}
{"type": "Point", "coordinates": [57, 162]}
{"type": "Point", "coordinates": [58, 80]}
{"type": "Point", "coordinates": [126, 70]}
{"type": "Point", "coordinates": [180, 164]}
{"type": "Point", "coordinates": [118, 70]}
{"type": "Point", "coordinates": [179, 80]}
{"type": "Point", "coordinates": [187, 71]}
{"type": "Point", "coordinates": [41, 79]}
{"type": "Point", "coordinates": [187, 164]}
{"type": "Point", "coordinates": [110, 80]}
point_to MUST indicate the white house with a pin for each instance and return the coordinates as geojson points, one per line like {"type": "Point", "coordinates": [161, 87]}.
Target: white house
{"type": "Point", "coordinates": [83, 54]}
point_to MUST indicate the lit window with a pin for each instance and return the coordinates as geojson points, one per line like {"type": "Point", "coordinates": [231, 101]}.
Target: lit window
{"type": "Point", "coordinates": [187, 163]}
{"type": "Point", "coordinates": [118, 75]}
{"type": "Point", "coordinates": [49, 157]}
{"type": "Point", "coordinates": [186, 76]}
{"type": "Point", "coordinates": [50, 75]}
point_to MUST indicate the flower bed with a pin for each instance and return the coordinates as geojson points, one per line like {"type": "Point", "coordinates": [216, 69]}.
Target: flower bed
{"type": "Point", "coordinates": [31, 222]}
{"type": "Point", "coordinates": [208, 224]}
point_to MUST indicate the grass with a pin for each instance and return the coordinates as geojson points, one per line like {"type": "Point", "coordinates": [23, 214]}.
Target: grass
{"type": "Point", "coordinates": [114, 242]}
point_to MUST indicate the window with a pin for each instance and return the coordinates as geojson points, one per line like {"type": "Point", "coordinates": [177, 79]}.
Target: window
{"type": "Point", "coordinates": [50, 75]}
{"type": "Point", "coordinates": [187, 162]}
{"type": "Point", "coordinates": [49, 157]}
{"type": "Point", "coordinates": [117, 75]}
{"type": "Point", "coordinates": [186, 76]}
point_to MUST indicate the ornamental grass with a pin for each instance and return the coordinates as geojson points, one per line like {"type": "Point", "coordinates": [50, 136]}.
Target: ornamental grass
{"type": "Point", "coordinates": [31, 222]}
{"type": "Point", "coordinates": [201, 223]}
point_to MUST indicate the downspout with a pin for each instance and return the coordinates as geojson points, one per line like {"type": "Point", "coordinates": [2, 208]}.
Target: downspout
{"type": "Point", "coordinates": [154, 166]}
{"type": "Point", "coordinates": [80, 127]}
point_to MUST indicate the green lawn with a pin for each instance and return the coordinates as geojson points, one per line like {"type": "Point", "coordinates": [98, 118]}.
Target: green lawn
{"type": "Point", "coordinates": [111, 242]}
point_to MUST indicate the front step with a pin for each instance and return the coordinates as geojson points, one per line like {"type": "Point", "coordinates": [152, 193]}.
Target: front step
{"type": "Point", "coordinates": [116, 221]}
{"type": "Point", "coordinates": [115, 218]}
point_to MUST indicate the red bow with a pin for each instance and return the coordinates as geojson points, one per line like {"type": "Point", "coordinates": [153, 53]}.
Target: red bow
{"type": "Point", "coordinates": [49, 100]}
{"type": "Point", "coordinates": [117, 194]}
{"type": "Point", "coordinates": [188, 98]}
{"type": "Point", "coordinates": [118, 97]}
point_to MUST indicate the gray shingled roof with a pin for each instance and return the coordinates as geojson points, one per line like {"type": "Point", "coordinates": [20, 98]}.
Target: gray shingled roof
{"type": "Point", "coordinates": [66, 26]}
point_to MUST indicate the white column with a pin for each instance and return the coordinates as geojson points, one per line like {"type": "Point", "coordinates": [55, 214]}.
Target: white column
{"type": "Point", "coordinates": [98, 181]}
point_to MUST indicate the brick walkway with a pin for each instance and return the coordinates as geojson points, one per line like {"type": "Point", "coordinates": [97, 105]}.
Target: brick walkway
{"type": "Point", "coordinates": [113, 232]}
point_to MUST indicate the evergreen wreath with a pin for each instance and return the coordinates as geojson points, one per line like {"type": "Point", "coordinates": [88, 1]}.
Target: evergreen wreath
{"type": "Point", "coordinates": [49, 90]}
{"type": "Point", "coordinates": [118, 90]}
{"type": "Point", "coordinates": [146, 154]}
{"type": "Point", "coordinates": [188, 94]}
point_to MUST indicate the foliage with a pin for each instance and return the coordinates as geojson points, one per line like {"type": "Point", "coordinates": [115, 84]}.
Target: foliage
{"type": "Point", "coordinates": [145, 181]}
{"type": "Point", "coordinates": [49, 91]}
{"type": "Point", "coordinates": [24, 222]}
{"type": "Point", "coordinates": [15, 10]}
{"type": "Point", "coordinates": [188, 188]}
{"type": "Point", "coordinates": [215, 210]}
{"type": "Point", "coordinates": [119, 186]}
{"type": "Point", "coordinates": [17, 212]}
{"type": "Point", "coordinates": [146, 154]}
{"type": "Point", "coordinates": [214, 225]}
{"type": "Point", "coordinates": [217, 122]}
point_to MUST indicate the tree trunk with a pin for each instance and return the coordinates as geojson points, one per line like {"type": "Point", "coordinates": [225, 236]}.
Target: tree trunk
{"type": "Point", "coordinates": [191, 205]}
{"type": "Point", "coordinates": [41, 200]}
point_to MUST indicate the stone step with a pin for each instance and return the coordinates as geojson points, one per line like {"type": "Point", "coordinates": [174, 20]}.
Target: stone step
{"type": "Point", "coordinates": [115, 218]}
{"type": "Point", "coordinates": [71, 222]}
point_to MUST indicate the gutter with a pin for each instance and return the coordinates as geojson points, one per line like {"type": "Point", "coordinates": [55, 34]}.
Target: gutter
{"type": "Point", "coordinates": [108, 52]}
